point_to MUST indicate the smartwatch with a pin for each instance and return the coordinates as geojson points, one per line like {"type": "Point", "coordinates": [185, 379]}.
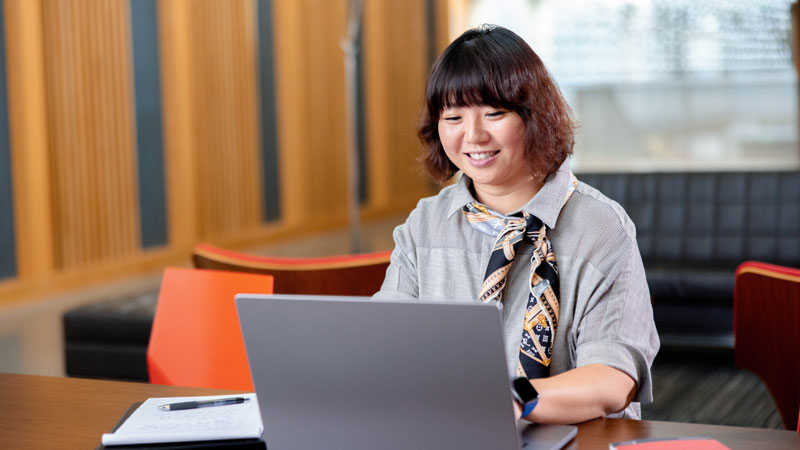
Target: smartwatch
{"type": "Point", "coordinates": [525, 394]}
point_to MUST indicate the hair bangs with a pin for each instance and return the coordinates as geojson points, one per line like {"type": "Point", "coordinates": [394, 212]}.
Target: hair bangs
{"type": "Point", "coordinates": [468, 81]}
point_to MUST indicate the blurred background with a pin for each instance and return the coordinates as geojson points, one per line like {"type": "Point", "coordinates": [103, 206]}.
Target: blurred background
{"type": "Point", "coordinates": [667, 84]}
{"type": "Point", "coordinates": [130, 130]}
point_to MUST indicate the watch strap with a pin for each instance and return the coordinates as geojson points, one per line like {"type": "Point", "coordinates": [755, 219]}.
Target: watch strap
{"type": "Point", "coordinates": [527, 408]}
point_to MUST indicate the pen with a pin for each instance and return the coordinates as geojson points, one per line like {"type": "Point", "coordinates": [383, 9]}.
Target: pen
{"type": "Point", "coordinates": [203, 404]}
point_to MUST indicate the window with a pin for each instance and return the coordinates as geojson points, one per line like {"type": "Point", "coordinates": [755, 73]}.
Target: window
{"type": "Point", "coordinates": [667, 84]}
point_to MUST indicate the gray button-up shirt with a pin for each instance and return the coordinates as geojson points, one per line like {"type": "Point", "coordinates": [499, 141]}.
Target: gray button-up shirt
{"type": "Point", "coordinates": [605, 313]}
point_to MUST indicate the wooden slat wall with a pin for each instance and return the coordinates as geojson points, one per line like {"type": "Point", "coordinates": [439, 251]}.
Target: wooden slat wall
{"type": "Point", "coordinates": [73, 131]}
{"type": "Point", "coordinates": [225, 118]}
{"type": "Point", "coordinates": [89, 102]}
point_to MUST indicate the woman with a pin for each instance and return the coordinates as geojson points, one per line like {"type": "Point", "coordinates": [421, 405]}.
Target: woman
{"type": "Point", "coordinates": [519, 228]}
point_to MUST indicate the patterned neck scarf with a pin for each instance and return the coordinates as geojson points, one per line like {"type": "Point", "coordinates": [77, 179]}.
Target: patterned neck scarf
{"type": "Point", "coordinates": [541, 315]}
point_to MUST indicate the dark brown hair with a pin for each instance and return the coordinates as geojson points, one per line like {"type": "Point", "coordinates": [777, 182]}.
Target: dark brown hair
{"type": "Point", "coordinates": [492, 66]}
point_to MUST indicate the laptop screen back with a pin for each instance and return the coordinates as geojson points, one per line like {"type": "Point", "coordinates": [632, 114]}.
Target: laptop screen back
{"type": "Point", "coordinates": [357, 373]}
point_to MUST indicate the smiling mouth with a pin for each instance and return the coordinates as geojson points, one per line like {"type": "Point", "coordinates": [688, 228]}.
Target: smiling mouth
{"type": "Point", "coordinates": [483, 155]}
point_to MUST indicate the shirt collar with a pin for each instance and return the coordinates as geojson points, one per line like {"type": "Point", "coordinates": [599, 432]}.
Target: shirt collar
{"type": "Point", "coordinates": [546, 204]}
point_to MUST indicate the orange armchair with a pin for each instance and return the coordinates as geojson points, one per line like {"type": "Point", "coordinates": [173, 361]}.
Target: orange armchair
{"type": "Point", "coordinates": [196, 340]}
{"type": "Point", "coordinates": [766, 329]}
{"type": "Point", "coordinates": [360, 274]}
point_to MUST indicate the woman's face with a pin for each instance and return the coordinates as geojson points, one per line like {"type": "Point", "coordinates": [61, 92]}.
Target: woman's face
{"type": "Point", "coordinates": [488, 145]}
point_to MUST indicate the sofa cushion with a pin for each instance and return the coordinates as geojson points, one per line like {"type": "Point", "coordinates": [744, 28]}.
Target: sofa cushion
{"type": "Point", "coordinates": [692, 303]}
{"type": "Point", "coordinates": [709, 220]}
{"type": "Point", "coordinates": [106, 360]}
{"type": "Point", "coordinates": [691, 288]}
{"type": "Point", "coordinates": [124, 320]}
{"type": "Point", "coordinates": [109, 339]}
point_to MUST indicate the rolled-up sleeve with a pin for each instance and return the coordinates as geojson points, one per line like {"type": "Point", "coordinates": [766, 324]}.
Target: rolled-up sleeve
{"type": "Point", "coordinates": [616, 327]}
{"type": "Point", "coordinates": [401, 276]}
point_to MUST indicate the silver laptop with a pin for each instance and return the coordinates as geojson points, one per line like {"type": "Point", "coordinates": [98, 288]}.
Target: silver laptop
{"type": "Point", "coordinates": [356, 373]}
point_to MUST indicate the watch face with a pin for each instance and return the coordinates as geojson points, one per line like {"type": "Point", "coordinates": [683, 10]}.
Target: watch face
{"type": "Point", "coordinates": [525, 390]}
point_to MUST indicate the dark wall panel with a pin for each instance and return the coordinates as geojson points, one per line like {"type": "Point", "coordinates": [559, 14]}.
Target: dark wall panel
{"type": "Point", "coordinates": [8, 256]}
{"type": "Point", "coordinates": [269, 126]}
{"type": "Point", "coordinates": [149, 132]}
{"type": "Point", "coordinates": [361, 117]}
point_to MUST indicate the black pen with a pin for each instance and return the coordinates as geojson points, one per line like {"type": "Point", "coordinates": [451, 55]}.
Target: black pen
{"type": "Point", "coordinates": [203, 404]}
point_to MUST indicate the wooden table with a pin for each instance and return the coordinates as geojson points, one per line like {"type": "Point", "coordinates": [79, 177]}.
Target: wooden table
{"type": "Point", "coordinates": [596, 434]}
{"type": "Point", "coordinates": [72, 413]}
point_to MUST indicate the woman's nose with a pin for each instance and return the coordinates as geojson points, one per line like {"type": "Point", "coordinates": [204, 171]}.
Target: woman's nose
{"type": "Point", "coordinates": [475, 132]}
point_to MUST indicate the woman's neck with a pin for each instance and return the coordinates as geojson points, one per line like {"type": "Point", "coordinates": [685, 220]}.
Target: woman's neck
{"type": "Point", "coordinates": [507, 199]}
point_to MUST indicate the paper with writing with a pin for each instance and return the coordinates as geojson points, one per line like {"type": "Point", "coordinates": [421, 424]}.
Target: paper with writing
{"type": "Point", "coordinates": [148, 424]}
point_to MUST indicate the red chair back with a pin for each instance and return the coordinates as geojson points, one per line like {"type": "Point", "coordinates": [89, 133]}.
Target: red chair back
{"type": "Point", "coordinates": [766, 328]}
{"type": "Point", "coordinates": [196, 339]}
{"type": "Point", "coordinates": [360, 274]}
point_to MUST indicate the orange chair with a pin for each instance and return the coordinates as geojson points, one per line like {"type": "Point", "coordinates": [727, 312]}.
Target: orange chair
{"type": "Point", "coordinates": [766, 329]}
{"type": "Point", "coordinates": [360, 274]}
{"type": "Point", "coordinates": [196, 340]}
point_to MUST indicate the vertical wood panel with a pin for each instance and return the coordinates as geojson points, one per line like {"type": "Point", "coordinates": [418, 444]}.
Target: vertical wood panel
{"type": "Point", "coordinates": [395, 93]}
{"type": "Point", "coordinates": [248, 110]}
{"type": "Point", "coordinates": [290, 44]}
{"type": "Point", "coordinates": [329, 123]}
{"type": "Point", "coordinates": [312, 120]}
{"type": "Point", "coordinates": [88, 84]}
{"type": "Point", "coordinates": [114, 164]}
{"type": "Point", "coordinates": [224, 93]}
{"type": "Point", "coordinates": [57, 134]}
{"type": "Point", "coordinates": [407, 81]}
{"type": "Point", "coordinates": [442, 18]}
{"type": "Point", "coordinates": [180, 158]}
{"type": "Point", "coordinates": [377, 95]}
{"type": "Point", "coordinates": [29, 147]}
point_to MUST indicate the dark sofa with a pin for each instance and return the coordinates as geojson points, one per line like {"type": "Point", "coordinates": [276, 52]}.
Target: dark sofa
{"type": "Point", "coordinates": [693, 229]}
{"type": "Point", "coordinates": [109, 339]}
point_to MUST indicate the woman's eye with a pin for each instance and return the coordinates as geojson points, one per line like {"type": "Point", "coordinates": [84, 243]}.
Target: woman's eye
{"type": "Point", "coordinates": [452, 118]}
{"type": "Point", "coordinates": [495, 114]}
